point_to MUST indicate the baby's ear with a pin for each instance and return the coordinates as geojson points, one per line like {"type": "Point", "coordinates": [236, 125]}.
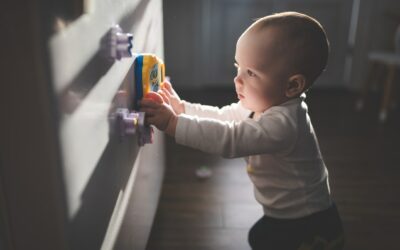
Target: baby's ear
{"type": "Point", "coordinates": [295, 86]}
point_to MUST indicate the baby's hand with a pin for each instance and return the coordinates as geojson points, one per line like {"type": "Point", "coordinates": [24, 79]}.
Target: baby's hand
{"type": "Point", "coordinates": [171, 97]}
{"type": "Point", "coordinates": [159, 114]}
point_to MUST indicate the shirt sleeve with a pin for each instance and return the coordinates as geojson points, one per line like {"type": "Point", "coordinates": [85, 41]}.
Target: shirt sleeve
{"type": "Point", "coordinates": [233, 112]}
{"type": "Point", "coordinates": [272, 133]}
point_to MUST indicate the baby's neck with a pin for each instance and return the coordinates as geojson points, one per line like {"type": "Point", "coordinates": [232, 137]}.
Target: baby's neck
{"type": "Point", "coordinates": [257, 115]}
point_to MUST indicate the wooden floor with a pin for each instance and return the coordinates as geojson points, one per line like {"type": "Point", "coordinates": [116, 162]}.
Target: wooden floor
{"type": "Point", "coordinates": [361, 155]}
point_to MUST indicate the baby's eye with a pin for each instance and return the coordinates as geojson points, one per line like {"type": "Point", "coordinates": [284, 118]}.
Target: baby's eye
{"type": "Point", "coordinates": [250, 73]}
{"type": "Point", "coordinates": [236, 65]}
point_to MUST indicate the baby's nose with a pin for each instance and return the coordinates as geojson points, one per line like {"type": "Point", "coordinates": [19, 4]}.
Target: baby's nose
{"type": "Point", "coordinates": [238, 80]}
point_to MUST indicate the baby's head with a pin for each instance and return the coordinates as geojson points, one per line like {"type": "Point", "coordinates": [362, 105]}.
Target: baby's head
{"type": "Point", "coordinates": [279, 57]}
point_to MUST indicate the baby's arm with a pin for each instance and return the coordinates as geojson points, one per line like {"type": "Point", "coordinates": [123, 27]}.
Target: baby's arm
{"type": "Point", "coordinates": [271, 133]}
{"type": "Point", "coordinates": [233, 112]}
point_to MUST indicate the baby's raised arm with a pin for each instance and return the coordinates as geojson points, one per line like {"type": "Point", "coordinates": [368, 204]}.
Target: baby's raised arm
{"type": "Point", "coordinates": [232, 112]}
{"type": "Point", "coordinates": [274, 132]}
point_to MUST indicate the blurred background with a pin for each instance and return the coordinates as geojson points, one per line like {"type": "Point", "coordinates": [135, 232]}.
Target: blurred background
{"type": "Point", "coordinates": [69, 180]}
{"type": "Point", "coordinates": [201, 36]}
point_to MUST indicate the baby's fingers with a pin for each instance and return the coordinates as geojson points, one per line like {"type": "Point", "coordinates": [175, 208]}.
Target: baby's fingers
{"type": "Point", "coordinates": [149, 120]}
{"type": "Point", "coordinates": [148, 112]}
{"type": "Point", "coordinates": [166, 93]}
{"type": "Point", "coordinates": [148, 103]}
{"type": "Point", "coordinates": [167, 84]}
{"type": "Point", "coordinates": [167, 87]}
{"type": "Point", "coordinates": [164, 96]}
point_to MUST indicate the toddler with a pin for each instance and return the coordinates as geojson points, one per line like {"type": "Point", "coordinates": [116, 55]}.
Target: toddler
{"type": "Point", "coordinates": [277, 59]}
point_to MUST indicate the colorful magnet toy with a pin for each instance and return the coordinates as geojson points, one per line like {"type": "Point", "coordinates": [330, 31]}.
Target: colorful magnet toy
{"type": "Point", "coordinates": [149, 75]}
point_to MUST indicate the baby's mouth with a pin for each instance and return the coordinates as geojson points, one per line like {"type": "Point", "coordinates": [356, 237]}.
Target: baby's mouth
{"type": "Point", "coordinates": [240, 96]}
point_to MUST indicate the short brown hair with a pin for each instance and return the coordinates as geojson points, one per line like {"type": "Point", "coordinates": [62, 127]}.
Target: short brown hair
{"type": "Point", "coordinates": [306, 42]}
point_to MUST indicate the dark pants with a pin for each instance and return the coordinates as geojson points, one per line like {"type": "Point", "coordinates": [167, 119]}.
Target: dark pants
{"type": "Point", "coordinates": [322, 230]}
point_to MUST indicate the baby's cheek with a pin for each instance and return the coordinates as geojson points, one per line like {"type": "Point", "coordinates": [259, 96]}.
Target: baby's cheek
{"type": "Point", "coordinates": [259, 95]}
{"type": "Point", "coordinates": [261, 100]}
{"type": "Point", "coordinates": [254, 103]}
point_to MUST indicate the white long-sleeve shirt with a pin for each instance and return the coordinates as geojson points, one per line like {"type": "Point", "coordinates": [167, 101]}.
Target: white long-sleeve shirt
{"type": "Point", "coordinates": [280, 147]}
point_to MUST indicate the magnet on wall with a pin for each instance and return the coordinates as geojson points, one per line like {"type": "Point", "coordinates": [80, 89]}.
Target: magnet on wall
{"type": "Point", "coordinates": [124, 123]}
{"type": "Point", "coordinates": [117, 44]}
{"type": "Point", "coordinates": [128, 124]}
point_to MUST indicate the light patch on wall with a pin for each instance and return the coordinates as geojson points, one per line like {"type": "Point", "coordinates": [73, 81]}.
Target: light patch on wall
{"type": "Point", "coordinates": [88, 6]}
{"type": "Point", "coordinates": [79, 8]}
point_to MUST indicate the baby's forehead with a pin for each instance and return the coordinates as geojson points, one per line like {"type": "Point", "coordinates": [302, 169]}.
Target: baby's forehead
{"type": "Point", "coordinates": [267, 43]}
{"type": "Point", "coordinates": [270, 38]}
